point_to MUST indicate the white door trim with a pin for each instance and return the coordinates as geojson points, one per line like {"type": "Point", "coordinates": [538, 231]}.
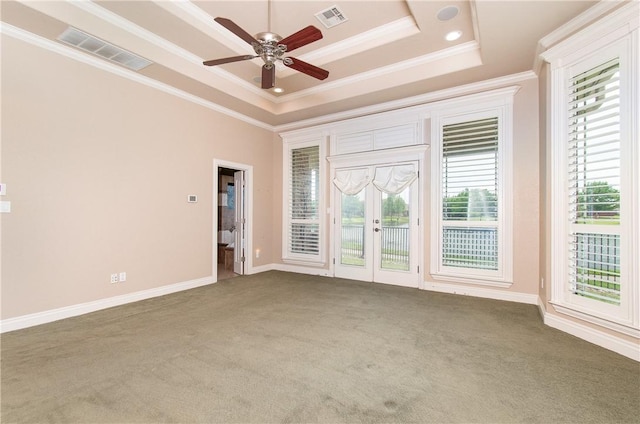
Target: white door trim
{"type": "Point", "coordinates": [248, 210]}
{"type": "Point", "coordinates": [239, 220]}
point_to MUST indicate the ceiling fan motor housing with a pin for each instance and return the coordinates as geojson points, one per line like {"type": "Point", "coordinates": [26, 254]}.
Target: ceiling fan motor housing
{"type": "Point", "coordinates": [268, 48]}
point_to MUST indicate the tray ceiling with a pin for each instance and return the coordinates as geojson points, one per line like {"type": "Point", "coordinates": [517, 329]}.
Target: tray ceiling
{"type": "Point", "coordinates": [384, 51]}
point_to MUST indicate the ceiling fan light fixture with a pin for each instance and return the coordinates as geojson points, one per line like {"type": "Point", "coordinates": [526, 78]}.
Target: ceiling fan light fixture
{"type": "Point", "coordinates": [453, 35]}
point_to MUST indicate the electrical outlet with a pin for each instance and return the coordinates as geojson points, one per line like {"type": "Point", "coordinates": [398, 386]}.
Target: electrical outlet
{"type": "Point", "coordinates": [122, 277]}
{"type": "Point", "coordinates": [257, 253]}
{"type": "Point", "coordinates": [114, 278]}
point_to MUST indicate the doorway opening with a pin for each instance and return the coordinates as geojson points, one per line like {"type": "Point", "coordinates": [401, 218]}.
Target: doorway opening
{"type": "Point", "coordinates": [230, 219]}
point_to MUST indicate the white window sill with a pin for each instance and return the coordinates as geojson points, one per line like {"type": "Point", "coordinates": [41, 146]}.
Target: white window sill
{"type": "Point", "coordinates": [303, 262]}
{"type": "Point", "coordinates": [471, 280]}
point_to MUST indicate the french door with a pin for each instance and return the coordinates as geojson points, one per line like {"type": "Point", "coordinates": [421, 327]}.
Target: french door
{"type": "Point", "coordinates": [376, 228]}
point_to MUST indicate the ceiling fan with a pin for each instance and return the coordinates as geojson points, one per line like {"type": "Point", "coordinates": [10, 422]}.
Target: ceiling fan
{"type": "Point", "coordinates": [270, 47]}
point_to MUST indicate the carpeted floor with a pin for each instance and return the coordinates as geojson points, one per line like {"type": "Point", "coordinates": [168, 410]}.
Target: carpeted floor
{"type": "Point", "coordinates": [280, 347]}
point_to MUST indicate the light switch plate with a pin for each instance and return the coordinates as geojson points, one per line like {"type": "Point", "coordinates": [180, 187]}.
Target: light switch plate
{"type": "Point", "coordinates": [5, 206]}
{"type": "Point", "coordinates": [3, 189]}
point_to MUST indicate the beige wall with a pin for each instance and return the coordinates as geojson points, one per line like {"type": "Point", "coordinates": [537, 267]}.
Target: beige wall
{"type": "Point", "coordinates": [98, 169]}
{"type": "Point", "coordinates": [277, 199]}
{"type": "Point", "coordinates": [526, 189]}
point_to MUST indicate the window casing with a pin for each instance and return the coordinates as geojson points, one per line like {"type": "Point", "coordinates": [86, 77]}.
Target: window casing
{"type": "Point", "coordinates": [594, 172]}
{"type": "Point", "coordinates": [303, 229]}
{"type": "Point", "coordinates": [471, 238]}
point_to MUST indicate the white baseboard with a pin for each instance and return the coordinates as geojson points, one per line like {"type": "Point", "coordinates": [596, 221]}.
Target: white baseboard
{"type": "Point", "coordinates": [302, 270]}
{"type": "Point", "coordinates": [487, 293]}
{"type": "Point", "coordinates": [259, 269]}
{"type": "Point", "coordinates": [24, 321]}
{"type": "Point", "coordinates": [592, 335]}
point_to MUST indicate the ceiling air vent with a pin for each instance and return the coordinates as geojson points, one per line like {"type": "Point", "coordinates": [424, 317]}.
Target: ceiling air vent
{"type": "Point", "coordinates": [101, 48]}
{"type": "Point", "coordinates": [331, 17]}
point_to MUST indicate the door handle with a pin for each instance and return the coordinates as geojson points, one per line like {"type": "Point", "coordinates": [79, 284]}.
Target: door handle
{"type": "Point", "coordinates": [376, 229]}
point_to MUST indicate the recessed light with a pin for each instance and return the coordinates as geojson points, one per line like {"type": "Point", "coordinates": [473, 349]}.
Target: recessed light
{"type": "Point", "coordinates": [278, 90]}
{"type": "Point", "coordinates": [447, 13]}
{"type": "Point", "coordinates": [453, 35]}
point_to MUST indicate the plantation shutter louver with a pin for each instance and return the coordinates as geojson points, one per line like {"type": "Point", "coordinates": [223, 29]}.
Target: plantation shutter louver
{"type": "Point", "coordinates": [470, 194]}
{"type": "Point", "coordinates": [594, 162]}
{"type": "Point", "coordinates": [304, 194]}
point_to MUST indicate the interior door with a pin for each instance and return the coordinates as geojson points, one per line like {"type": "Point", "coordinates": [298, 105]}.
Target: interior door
{"type": "Point", "coordinates": [376, 234]}
{"type": "Point", "coordinates": [239, 240]}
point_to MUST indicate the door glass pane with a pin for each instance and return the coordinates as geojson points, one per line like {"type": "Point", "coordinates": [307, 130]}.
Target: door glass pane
{"type": "Point", "coordinates": [352, 224]}
{"type": "Point", "coordinates": [394, 237]}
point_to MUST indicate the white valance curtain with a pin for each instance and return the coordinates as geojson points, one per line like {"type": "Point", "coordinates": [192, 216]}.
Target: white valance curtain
{"type": "Point", "coordinates": [388, 179]}
{"type": "Point", "coordinates": [352, 181]}
{"type": "Point", "coordinates": [394, 179]}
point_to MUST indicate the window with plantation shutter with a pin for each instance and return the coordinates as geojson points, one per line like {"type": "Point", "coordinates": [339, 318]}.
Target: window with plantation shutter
{"type": "Point", "coordinates": [595, 157]}
{"type": "Point", "coordinates": [304, 194]}
{"type": "Point", "coordinates": [593, 183]}
{"type": "Point", "coordinates": [471, 235]}
{"type": "Point", "coordinates": [303, 182]}
{"type": "Point", "coordinates": [470, 188]}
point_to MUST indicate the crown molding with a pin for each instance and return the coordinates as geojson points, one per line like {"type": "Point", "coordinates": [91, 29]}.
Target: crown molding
{"type": "Point", "coordinates": [162, 51]}
{"type": "Point", "coordinates": [165, 53]}
{"type": "Point", "coordinates": [101, 64]}
{"type": "Point", "coordinates": [139, 32]}
{"type": "Point", "coordinates": [421, 99]}
{"type": "Point", "coordinates": [571, 27]}
{"type": "Point", "coordinates": [428, 59]}
{"type": "Point", "coordinates": [601, 32]}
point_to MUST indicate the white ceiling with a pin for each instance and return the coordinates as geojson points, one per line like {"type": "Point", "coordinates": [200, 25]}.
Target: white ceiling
{"type": "Point", "coordinates": [386, 50]}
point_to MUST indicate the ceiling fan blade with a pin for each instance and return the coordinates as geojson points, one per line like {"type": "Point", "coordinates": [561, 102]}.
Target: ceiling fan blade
{"type": "Point", "coordinates": [306, 68]}
{"type": "Point", "coordinates": [268, 76]}
{"type": "Point", "coordinates": [227, 60]}
{"type": "Point", "coordinates": [231, 26]}
{"type": "Point", "coordinates": [302, 38]}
